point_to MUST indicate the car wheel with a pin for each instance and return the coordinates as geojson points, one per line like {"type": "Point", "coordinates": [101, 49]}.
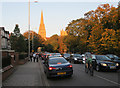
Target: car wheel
{"type": "Point", "coordinates": [97, 68]}
{"type": "Point", "coordinates": [115, 70]}
{"type": "Point", "coordinates": [74, 62]}
{"type": "Point", "coordinates": [48, 77]}
{"type": "Point", "coordinates": [44, 71]}
{"type": "Point", "coordinates": [70, 76]}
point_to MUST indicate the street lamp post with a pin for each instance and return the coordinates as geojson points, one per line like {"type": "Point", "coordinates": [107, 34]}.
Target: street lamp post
{"type": "Point", "coordinates": [29, 29]}
{"type": "Point", "coordinates": [32, 41]}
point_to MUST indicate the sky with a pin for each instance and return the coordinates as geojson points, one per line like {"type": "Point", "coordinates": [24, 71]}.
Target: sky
{"type": "Point", "coordinates": [57, 15]}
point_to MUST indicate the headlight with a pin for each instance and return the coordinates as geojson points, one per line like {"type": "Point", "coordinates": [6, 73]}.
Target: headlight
{"type": "Point", "coordinates": [117, 64]}
{"type": "Point", "coordinates": [103, 64]}
{"type": "Point", "coordinates": [75, 58]}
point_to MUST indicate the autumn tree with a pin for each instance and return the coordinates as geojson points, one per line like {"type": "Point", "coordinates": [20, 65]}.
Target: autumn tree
{"type": "Point", "coordinates": [109, 41]}
{"type": "Point", "coordinates": [90, 33]}
{"type": "Point", "coordinates": [35, 38]}
{"type": "Point", "coordinates": [53, 41]}
{"type": "Point", "coordinates": [77, 35]}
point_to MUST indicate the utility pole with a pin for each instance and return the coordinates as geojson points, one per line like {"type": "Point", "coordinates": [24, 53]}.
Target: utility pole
{"type": "Point", "coordinates": [32, 41]}
{"type": "Point", "coordinates": [29, 29]}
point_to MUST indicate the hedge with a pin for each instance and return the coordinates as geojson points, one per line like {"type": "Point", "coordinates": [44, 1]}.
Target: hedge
{"type": "Point", "coordinates": [23, 55]}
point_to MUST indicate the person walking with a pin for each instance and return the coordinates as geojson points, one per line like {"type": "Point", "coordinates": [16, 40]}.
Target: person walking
{"type": "Point", "coordinates": [37, 57]}
{"type": "Point", "coordinates": [31, 56]}
{"type": "Point", "coordinates": [34, 56]}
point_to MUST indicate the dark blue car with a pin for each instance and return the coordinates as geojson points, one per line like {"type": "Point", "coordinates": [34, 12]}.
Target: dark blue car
{"type": "Point", "coordinates": [57, 67]}
{"type": "Point", "coordinates": [114, 58]}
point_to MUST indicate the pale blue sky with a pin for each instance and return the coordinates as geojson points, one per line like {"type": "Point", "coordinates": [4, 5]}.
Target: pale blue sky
{"type": "Point", "coordinates": [57, 15]}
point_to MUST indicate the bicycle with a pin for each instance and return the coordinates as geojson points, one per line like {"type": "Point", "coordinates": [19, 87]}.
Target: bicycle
{"type": "Point", "coordinates": [89, 69]}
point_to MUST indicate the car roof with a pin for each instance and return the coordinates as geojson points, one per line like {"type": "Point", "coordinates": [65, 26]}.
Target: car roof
{"type": "Point", "coordinates": [56, 57]}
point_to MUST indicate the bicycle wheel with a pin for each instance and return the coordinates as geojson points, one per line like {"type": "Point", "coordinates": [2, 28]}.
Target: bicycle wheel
{"type": "Point", "coordinates": [86, 69]}
{"type": "Point", "coordinates": [91, 71]}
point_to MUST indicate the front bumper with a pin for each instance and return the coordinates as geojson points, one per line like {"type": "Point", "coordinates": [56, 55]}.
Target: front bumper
{"type": "Point", "coordinates": [106, 68]}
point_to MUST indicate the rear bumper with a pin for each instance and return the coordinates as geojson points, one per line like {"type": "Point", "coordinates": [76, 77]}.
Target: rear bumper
{"type": "Point", "coordinates": [54, 73]}
{"type": "Point", "coordinates": [78, 61]}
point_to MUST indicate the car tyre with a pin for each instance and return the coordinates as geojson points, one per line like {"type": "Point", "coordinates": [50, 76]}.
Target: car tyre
{"type": "Point", "coordinates": [48, 77]}
{"type": "Point", "coordinates": [44, 71]}
{"type": "Point", "coordinates": [97, 68]}
{"type": "Point", "coordinates": [70, 76]}
{"type": "Point", "coordinates": [74, 62]}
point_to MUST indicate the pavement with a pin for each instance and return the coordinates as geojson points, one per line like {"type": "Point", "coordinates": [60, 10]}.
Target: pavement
{"type": "Point", "coordinates": [28, 74]}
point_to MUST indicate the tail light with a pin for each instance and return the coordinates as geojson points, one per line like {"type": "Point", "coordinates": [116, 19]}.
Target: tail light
{"type": "Point", "coordinates": [70, 66]}
{"type": "Point", "coordinates": [51, 68]}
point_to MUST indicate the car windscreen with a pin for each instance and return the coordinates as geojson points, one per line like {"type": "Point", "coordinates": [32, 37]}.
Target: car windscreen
{"type": "Point", "coordinates": [57, 54]}
{"type": "Point", "coordinates": [51, 56]}
{"type": "Point", "coordinates": [102, 57]}
{"type": "Point", "coordinates": [110, 56]}
{"type": "Point", "coordinates": [77, 55]}
{"type": "Point", "coordinates": [57, 61]}
{"type": "Point", "coordinates": [116, 57]}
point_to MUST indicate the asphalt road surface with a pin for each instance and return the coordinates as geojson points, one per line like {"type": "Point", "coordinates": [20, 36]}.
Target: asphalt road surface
{"type": "Point", "coordinates": [80, 78]}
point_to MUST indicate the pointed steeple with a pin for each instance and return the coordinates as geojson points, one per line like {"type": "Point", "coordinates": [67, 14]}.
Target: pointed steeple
{"type": "Point", "coordinates": [42, 22]}
{"type": "Point", "coordinates": [42, 31]}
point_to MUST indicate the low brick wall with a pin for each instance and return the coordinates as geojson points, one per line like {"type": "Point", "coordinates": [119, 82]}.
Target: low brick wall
{"type": "Point", "coordinates": [7, 71]}
{"type": "Point", "coordinates": [21, 62]}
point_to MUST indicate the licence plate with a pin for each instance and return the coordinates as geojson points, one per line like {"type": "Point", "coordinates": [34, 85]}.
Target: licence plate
{"type": "Point", "coordinates": [61, 73]}
{"type": "Point", "coordinates": [112, 67]}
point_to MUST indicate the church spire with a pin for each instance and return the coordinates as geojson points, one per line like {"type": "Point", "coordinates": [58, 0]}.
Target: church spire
{"type": "Point", "coordinates": [42, 22]}
{"type": "Point", "coordinates": [42, 31]}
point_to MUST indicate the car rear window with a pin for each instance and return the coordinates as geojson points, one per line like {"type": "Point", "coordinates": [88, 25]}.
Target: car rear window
{"type": "Point", "coordinates": [67, 55]}
{"type": "Point", "coordinates": [57, 60]}
{"type": "Point", "coordinates": [77, 55]}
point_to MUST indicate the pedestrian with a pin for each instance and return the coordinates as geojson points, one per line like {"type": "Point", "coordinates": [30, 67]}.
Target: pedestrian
{"type": "Point", "coordinates": [70, 59]}
{"type": "Point", "coordinates": [31, 56]}
{"type": "Point", "coordinates": [37, 57]}
{"type": "Point", "coordinates": [34, 56]}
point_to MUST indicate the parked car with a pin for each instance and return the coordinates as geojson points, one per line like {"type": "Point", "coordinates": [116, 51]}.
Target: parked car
{"type": "Point", "coordinates": [102, 62]}
{"type": "Point", "coordinates": [76, 58]}
{"type": "Point", "coordinates": [83, 57]}
{"type": "Point", "coordinates": [66, 56]}
{"type": "Point", "coordinates": [58, 55]}
{"type": "Point", "coordinates": [114, 58]}
{"type": "Point", "coordinates": [57, 67]}
{"type": "Point", "coordinates": [43, 56]}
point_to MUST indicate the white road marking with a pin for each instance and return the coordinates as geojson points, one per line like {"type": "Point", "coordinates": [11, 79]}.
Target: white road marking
{"type": "Point", "coordinates": [107, 80]}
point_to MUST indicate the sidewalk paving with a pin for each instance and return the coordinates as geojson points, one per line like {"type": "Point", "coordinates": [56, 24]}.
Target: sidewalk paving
{"type": "Point", "coordinates": [28, 74]}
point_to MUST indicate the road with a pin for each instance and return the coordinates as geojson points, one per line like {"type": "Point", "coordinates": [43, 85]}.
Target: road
{"type": "Point", "coordinates": [32, 74]}
{"type": "Point", "coordinates": [80, 78]}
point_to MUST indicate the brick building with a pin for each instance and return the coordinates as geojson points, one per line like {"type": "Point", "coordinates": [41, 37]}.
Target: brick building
{"type": "Point", "coordinates": [4, 39]}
